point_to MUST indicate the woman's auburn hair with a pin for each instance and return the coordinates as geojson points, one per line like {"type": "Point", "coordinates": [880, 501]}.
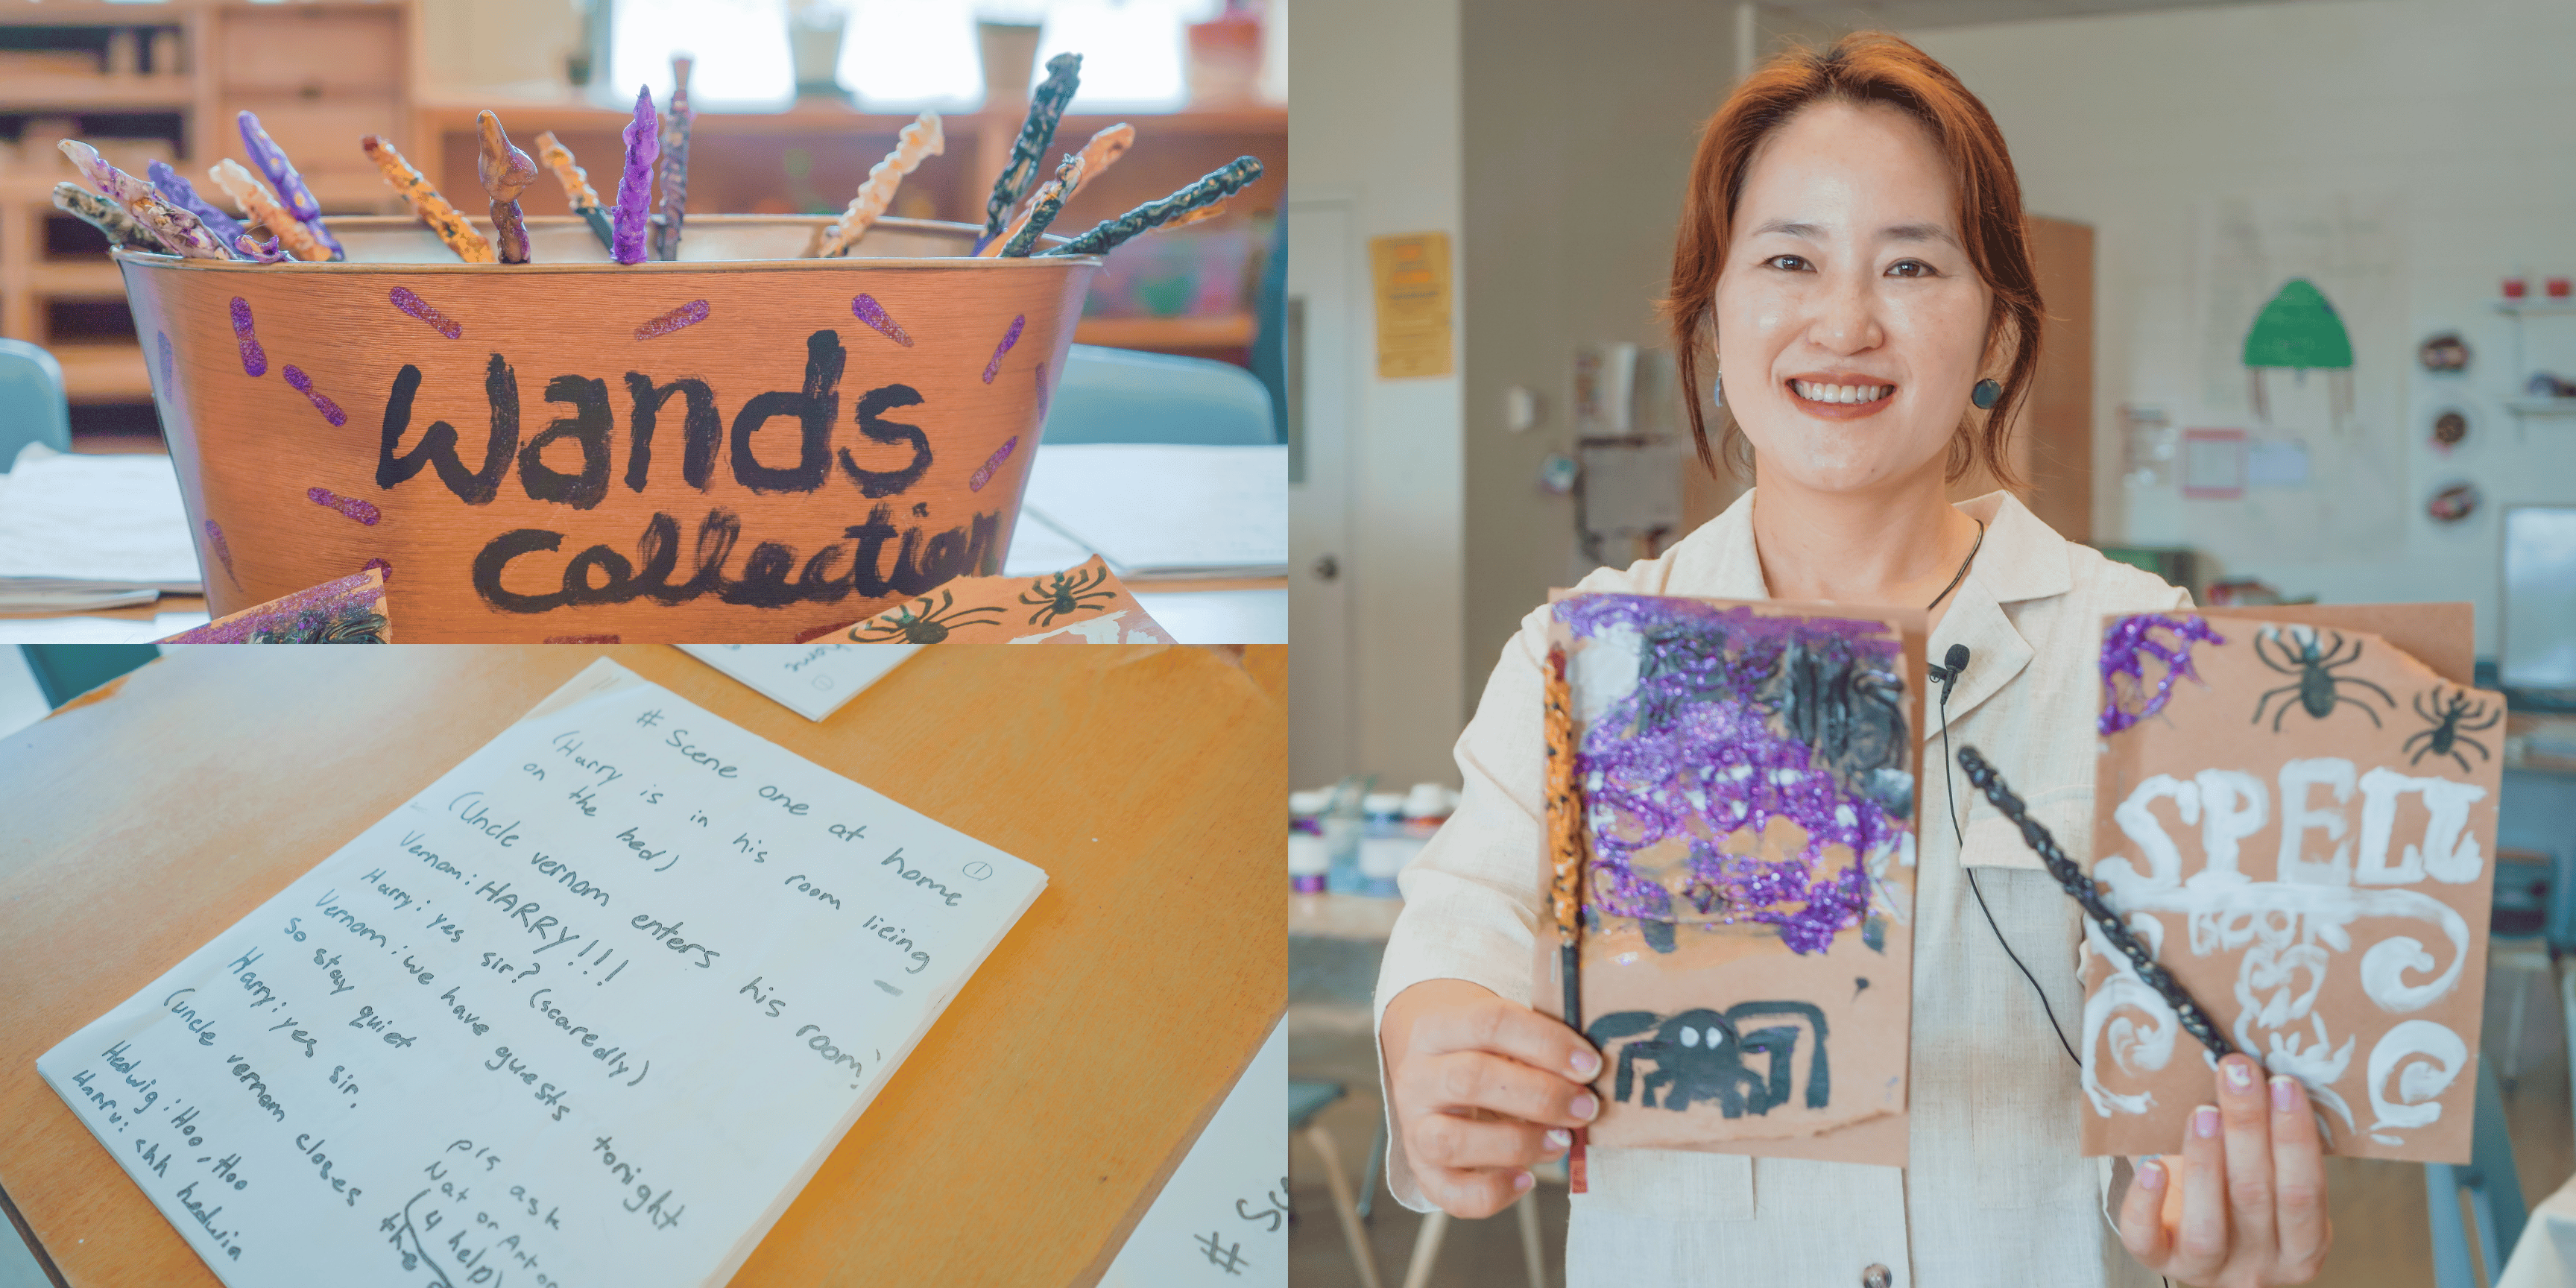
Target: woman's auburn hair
{"type": "Point", "coordinates": [1861, 68]}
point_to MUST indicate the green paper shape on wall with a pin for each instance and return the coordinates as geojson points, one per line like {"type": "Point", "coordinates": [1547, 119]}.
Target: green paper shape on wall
{"type": "Point", "coordinates": [2298, 329]}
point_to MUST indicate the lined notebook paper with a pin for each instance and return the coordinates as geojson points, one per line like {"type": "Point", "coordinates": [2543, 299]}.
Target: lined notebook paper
{"type": "Point", "coordinates": [589, 1009]}
{"type": "Point", "coordinates": [85, 532]}
{"type": "Point", "coordinates": [1163, 511]}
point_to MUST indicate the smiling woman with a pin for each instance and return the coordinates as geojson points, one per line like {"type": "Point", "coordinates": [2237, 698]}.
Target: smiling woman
{"type": "Point", "coordinates": [1853, 256]}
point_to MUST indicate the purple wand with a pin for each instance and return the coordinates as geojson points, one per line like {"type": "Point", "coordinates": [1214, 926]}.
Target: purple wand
{"type": "Point", "coordinates": [635, 185]}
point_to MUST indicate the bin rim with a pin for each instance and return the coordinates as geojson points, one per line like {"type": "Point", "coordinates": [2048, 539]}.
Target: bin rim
{"type": "Point", "coordinates": [966, 233]}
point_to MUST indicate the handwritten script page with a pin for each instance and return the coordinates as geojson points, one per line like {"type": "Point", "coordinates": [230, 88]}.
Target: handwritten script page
{"type": "Point", "coordinates": [588, 1010]}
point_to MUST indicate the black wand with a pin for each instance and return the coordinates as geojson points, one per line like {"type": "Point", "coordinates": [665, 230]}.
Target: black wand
{"type": "Point", "coordinates": [2195, 1021]}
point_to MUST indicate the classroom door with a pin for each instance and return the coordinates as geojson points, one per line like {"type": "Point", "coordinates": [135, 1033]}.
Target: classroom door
{"type": "Point", "coordinates": [2052, 444]}
{"type": "Point", "coordinates": [1322, 729]}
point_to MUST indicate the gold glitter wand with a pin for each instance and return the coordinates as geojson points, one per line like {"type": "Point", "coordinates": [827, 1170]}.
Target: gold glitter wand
{"type": "Point", "coordinates": [1565, 852]}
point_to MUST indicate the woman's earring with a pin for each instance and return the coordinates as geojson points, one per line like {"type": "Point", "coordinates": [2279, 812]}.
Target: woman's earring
{"type": "Point", "coordinates": [1717, 389]}
{"type": "Point", "coordinates": [1986, 394]}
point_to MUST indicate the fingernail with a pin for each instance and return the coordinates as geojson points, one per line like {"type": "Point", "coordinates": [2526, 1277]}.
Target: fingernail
{"type": "Point", "coordinates": [2240, 1074]}
{"type": "Point", "coordinates": [1586, 1065]}
{"type": "Point", "coordinates": [2285, 1093]}
{"type": "Point", "coordinates": [1584, 1107]}
{"type": "Point", "coordinates": [2151, 1176]}
{"type": "Point", "coordinates": [2204, 1122]}
{"type": "Point", "coordinates": [1523, 1180]}
{"type": "Point", "coordinates": [1559, 1138]}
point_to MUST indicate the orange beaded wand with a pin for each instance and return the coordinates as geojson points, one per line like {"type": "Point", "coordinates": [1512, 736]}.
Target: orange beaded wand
{"type": "Point", "coordinates": [1565, 853]}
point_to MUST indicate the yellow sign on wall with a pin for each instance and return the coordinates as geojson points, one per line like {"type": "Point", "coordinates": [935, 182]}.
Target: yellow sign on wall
{"type": "Point", "coordinates": [1412, 273]}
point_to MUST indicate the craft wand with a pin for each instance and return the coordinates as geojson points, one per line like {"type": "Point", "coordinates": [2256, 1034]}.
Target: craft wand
{"type": "Point", "coordinates": [2195, 1021]}
{"type": "Point", "coordinates": [1565, 854]}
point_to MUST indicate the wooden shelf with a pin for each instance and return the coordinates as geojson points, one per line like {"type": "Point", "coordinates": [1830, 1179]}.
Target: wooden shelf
{"type": "Point", "coordinates": [104, 373]}
{"type": "Point", "coordinates": [73, 277]}
{"type": "Point", "coordinates": [1232, 331]}
{"type": "Point", "coordinates": [99, 93]}
{"type": "Point", "coordinates": [808, 118]}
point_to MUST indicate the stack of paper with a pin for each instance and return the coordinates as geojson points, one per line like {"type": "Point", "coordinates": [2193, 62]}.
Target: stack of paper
{"type": "Point", "coordinates": [79, 533]}
{"type": "Point", "coordinates": [589, 1009]}
{"type": "Point", "coordinates": [1165, 512]}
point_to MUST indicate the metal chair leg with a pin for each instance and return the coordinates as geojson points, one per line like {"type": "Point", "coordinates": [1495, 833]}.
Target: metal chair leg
{"type": "Point", "coordinates": [1531, 1250]}
{"type": "Point", "coordinates": [1352, 1231]}
{"type": "Point", "coordinates": [1426, 1249]}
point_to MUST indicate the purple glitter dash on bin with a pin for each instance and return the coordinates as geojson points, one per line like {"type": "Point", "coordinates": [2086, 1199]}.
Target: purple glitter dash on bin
{"type": "Point", "coordinates": [1692, 751]}
{"type": "Point", "coordinates": [417, 307]}
{"type": "Point", "coordinates": [380, 566]}
{"type": "Point", "coordinates": [689, 314]}
{"type": "Point", "coordinates": [984, 472]}
{"type": "Point", "coordinates": [254, 358]}
{"type": "Point", "coordinates": [2122, 650]}
{"type": "Point", "coordinates": [329, 409]}
{"type": "Point", "coordinates": [1009, 338]}
{"type": "Point", "coordinates": [169, 370]}
{"type": "Point", "coordinates": [1043, 393]}
{"type": "Point", "coordinates": [223, 550]}
{"type": "Point", "coordinates": [874, 314]}
{"type": "Point", "coordinates": [363, 511]}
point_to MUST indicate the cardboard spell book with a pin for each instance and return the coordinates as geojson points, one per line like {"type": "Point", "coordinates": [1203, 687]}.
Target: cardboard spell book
{"type": "Point", "coordinates": [2298, 818]}
{"type": "Point", "coordinates": [1746, 774]}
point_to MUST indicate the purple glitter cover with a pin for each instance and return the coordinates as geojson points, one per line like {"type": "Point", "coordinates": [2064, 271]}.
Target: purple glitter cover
{"type": "Point", "coordinates": [405, 300]}
{"type": "Point", "coordinates": [689, 314]}
{"type": "Point", "coordinates": [869, 311]}
{"type": "Point", "coordinates": [1715, 757]}
{"type": "Point", "coordinates": [223, 550]}
{"type": "Point", "coordinates": [175, 189]}
{"type": "Point", "coordinates": [329, 409]}
{"type": "Point", "coordinates": [254, 358]}
{"type": "Point", "coordinates": [169, 371]}
{"type": "Point", "coordinates": [2124, 649]}
{"type": "Point", "coordinates": [291, 192]}
{"type": "Point", "coordinates": [1009, 338]}
{"type": "Point", "coordinates": [1044, 393]}
{"type": "Point", "coordinates": [363, 511]}
{"type": "Point", "coordinates": [351, 589]}
{"type": "Point", "coordinates": [984, 472]}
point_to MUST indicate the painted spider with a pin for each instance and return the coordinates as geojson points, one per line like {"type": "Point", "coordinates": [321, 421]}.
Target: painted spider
{"type": "Point", "coordinates": [1065, 592]}
{"type": "Point", "coordinates": [2315, 691]}
{"type": "Point", "coordinates": [1699, 1055]}
{"type": "Point", "coordinates": [928, 626]}
{"type": "Point", "coordinates": [2451, 726]}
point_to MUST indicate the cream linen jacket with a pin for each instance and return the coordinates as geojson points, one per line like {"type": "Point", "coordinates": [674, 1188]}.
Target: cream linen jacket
{"type": "Point", "coordinates": [1995, 1192]}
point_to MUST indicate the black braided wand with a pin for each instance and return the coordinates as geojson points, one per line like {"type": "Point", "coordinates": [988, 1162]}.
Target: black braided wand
{"type": "Point", "coordinates": [1217, 185]}
{"type": "Point", "coordinates": [2195, 1021]}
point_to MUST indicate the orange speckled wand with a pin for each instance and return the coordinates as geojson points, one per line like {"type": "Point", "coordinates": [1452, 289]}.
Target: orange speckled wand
{"type": "Point", "coordinates": [1565, 852]}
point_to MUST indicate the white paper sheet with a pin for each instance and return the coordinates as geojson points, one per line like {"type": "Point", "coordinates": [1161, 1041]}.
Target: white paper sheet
{"type": "Point", "coordinates": [1223, 1217]}
{"type": "Point", "coordinates": [75, 522]}
{"type": "Point", "coordinates": [812, 680]}
{"type": "Point", "coordinates": [589, 1009]}
{"type": "Point", "coordinates": [1164, 511]}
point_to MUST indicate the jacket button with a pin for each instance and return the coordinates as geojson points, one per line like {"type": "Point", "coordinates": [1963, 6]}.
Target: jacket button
{"type": "Point", "coordinates": [1876, 1277]}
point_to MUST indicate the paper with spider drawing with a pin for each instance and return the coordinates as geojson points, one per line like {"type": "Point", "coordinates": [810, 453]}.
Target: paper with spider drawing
{"type": "Point", "coordinates": [1748, 774]}
{"type": "Point", "coordinates": [1082, 605]}
{"type": "Point", "coordinates": [813, 680]}
{"type": "Point", "coordinates": [2299, 818]}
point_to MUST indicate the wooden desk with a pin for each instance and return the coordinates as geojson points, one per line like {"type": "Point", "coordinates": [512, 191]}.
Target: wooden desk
{"type": "Point", "coordinates": [1024, 1137]}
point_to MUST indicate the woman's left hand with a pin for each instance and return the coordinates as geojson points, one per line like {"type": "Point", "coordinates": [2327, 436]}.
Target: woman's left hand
{"type": "Point", "coordinates": [2244, 1204]}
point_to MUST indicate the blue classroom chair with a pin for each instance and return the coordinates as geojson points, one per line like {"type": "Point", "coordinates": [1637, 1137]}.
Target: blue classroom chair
{"type": "Point", "coordinates": [32, 406]}
{"type": "Point", "coordinates": [1125, 396]}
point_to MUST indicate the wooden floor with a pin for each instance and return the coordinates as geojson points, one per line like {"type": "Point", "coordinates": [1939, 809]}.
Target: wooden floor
{"type": "Point", "coordinates": [2381, 1233]}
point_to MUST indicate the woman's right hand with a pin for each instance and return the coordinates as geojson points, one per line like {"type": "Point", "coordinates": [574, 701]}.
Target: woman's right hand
{"type": "Point", "coordinates": [1481, 1089]}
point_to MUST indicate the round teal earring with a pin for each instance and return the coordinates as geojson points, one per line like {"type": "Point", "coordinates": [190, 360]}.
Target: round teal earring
{"type": "Point", "coordinates": [1986, 394]}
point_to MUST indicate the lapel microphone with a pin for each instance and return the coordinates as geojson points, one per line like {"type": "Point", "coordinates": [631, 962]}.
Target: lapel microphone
{"type": "Point", "coordinates": [1953, 664]}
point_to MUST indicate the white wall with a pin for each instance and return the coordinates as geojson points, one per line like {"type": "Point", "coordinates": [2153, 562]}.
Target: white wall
{"type": "Point", "coordinates": [1374, 128]}
{"type": "Point", "coordinates": [2463, 110]}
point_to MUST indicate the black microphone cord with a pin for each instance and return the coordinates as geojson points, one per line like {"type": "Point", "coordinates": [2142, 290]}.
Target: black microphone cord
{"type": "Point", "coordinates": [1955, 662]}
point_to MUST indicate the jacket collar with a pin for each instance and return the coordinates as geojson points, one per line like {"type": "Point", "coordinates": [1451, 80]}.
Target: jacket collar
{"type": "Point", "coordinates": [2021, 559]}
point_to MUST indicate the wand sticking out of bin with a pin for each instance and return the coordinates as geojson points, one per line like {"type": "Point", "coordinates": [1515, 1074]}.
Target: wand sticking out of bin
{"type": "Point", "coordinates": [920, 139]}
{"type": "Point", "coordinates": [1037, 133]}
{"type": "Point", "coordinates": [106, 216]}
{"type": "Point", "coordinates": [577, 190]}
{"type": "Point", "coordinates": [2195, 1021]}
{"type": "Point", "coordinates": [1565, 859]}
{"type": "Point", "coordinates": [1043, 208]}
{"type": "Point", "coordinates": [181, 232]}
{"type": "Point", "coordinates": [271, 160]}
{"type": "Point", "coordinates": [426, 205]}
{"type": "Point", "coordinates": [643, 137]}
{"type": "Point", "coordinates": [506, 172]}
{"type": "Point", "coordinates": [675, 164]}
{"type": "Point", "coordinates": [1219, 184]}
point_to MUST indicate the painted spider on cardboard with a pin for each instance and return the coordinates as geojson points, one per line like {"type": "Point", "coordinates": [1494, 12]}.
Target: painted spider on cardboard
{"type": "Point", "coordinates": [1065, 592]}
{"type": "Point", "coordinates": [2317, 690]}
{"type": "Point", "coordinates": [2452, 723]}
{"type": "Point", "coordinates": [1699, 1055]}
{"type": "Point", "coordinates": [926, 626]}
